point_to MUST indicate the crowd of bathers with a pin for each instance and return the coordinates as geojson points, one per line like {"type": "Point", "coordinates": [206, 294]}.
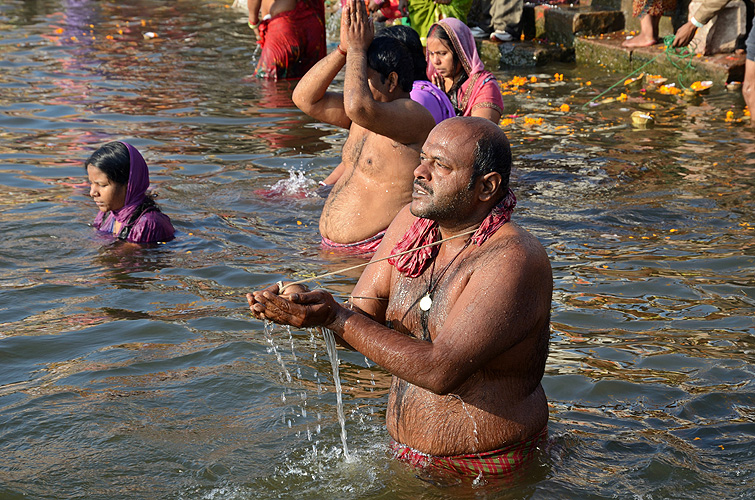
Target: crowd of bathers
{"type": "Point", "coordinates": [447, 75]}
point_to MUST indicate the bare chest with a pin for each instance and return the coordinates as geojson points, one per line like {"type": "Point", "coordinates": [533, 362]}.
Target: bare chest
{"type": "Point", "coordinates": [419, 306]}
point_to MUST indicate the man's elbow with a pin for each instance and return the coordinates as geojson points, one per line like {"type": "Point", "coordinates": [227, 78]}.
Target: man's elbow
{"type": "Point", "coordinates": [299, 100]}
{"type": "Point", "coordinates": [358, 111]}
{"type": "Point", "coordinates": [444, 383]}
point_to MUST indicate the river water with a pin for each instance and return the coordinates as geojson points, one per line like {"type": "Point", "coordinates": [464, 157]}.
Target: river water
{"type": "Point", "coordinates": [134, 374]}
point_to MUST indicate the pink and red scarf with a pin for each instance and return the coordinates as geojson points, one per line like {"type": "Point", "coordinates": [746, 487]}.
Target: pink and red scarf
{"type": "Point", "coordinates": [425, 232]}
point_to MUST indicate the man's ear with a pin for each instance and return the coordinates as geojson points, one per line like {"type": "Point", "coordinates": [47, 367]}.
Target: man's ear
{"type": "Point", "coordinates": [489, 185]}
{"type": "Point", "coordinates": [392, 81]}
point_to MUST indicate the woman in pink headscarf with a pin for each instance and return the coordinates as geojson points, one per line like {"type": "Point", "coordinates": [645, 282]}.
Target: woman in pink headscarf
{"type": "Point", "coordinates": [119, 178]}
{"type": "Point", "coordinates": [456, 68]}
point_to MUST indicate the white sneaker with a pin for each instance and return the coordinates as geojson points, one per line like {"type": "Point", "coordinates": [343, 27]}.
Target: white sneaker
{"type": "Point", "coordinates": [501, 36]}
{"type": "Point", "coordinates": [478, 32]}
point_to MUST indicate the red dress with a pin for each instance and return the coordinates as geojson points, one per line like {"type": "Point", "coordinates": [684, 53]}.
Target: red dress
{"type": "Point", "coordinates": [292, 41]}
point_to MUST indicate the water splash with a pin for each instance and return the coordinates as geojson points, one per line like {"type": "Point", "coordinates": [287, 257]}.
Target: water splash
{"type": "Point", "coordinates": [274, 348]}
{"type": "Point", "coordinates": [291, 341]}
{"type": "Point", "coordinates": [297, 186]}
{"type": "Point", "coordinates": [474, 422]}
{"type": "Point", "coordinates": [330, 345]}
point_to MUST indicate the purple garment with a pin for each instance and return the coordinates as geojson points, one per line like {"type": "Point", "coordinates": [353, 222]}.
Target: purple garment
{"type": "Point", "coordinates": [435, 100]}
{"type": "Point", "coordinates": [152, 225]}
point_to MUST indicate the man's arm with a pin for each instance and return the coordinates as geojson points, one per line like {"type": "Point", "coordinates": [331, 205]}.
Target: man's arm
{"type": "Point", "coordinates": [402, 120]}
{"type": "Point", "coordinates": [494, 312]}
{"type": "Point", "coordinates": [311, 93]}
{"type": "Point", "coordinates": [312, 97]}
{"type": "Point", "coordinates": [484, 112]}
{"type": "Point", "coordinates": [254, 11]}
{"type": "Point", "coordinates": [702, 15]}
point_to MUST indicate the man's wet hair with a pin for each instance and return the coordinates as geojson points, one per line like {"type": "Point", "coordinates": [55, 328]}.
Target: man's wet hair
{"type": "Point", "coordinates": [409, 37]}
{"type": "Point", "coordinates": [492, 153]}
{"type": "Point", "coordinates": [387, 55]}
{"type": "Point", "coordinates": [114, 160]}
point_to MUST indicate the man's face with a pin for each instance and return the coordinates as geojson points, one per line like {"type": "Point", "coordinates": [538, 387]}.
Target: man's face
{"type": "Point", "coordinates": [441, 181]}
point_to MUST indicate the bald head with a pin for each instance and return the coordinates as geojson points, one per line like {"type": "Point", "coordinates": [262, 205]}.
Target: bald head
{"type": "Point", "coordinates": [492, 151]}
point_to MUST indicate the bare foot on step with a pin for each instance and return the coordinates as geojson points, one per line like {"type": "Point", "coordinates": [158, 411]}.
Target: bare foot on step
{"type": "Point", "coordinates": [640, 40]}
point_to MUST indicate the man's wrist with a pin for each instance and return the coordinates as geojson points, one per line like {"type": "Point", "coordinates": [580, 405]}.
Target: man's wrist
{"type": "Point", "coordinates": [340, 50]}
{"type": "Point", "coordinates": [342, 315]}
{"type": "Point", "coordinates": [697, 23]}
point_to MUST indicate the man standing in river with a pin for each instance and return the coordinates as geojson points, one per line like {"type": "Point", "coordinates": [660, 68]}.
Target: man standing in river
{"type": "Point", "coordinates": [463, 326]}
{"type": "Point", "coordinates": [386, 130]}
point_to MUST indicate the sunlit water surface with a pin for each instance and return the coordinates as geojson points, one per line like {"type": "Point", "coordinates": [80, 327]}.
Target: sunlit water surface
{"type": "Point", "coordinates": [140, 374]}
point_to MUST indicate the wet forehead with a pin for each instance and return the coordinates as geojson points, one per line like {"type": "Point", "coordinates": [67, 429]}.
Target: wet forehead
{"type": "Point", "coordinates": [452, 142]}
{"type": "Point", "coordinates": [95, 174]}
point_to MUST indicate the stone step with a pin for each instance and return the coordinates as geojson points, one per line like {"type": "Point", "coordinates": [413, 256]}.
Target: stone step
{"type": "Point", "coordinates": [525, 53]}
{"type": "Point", "coordinates": [561, 24]}
{"type": "Point", "coordinates": [549, 33]}
{"type": "Point", "coordinates": [607, 50]}
{"type": "Point", "coordinates": [591, 34]}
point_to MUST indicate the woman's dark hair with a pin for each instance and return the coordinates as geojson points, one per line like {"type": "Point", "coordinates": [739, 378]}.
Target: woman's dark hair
{"type": "Point", "coordinates": [113, 160]}
{"type": "Point", "coordinates": [409, 37]}
{"type": "Point", "coordinates": [437, 31]}
{"type": "Point", "coordinates": [387, 55]}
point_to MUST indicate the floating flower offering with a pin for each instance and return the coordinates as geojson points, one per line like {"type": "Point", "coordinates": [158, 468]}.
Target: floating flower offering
{"type": "Point", "coordinates": [655, 80]}
{"type": "Point", "coordinates": [701, 87]}
{"type": "Point", "coordinates": [642, 120]}
{"type": "Point", "coordinates": [636, 82]}
{"type": "Point", "coordinates": [734, 86]}
{"type": "Point", "coordinates": [670, 89]}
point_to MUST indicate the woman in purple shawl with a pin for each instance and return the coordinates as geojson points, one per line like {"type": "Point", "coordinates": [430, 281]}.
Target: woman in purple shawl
{"type": "Point", "coordinates": [119, 178]}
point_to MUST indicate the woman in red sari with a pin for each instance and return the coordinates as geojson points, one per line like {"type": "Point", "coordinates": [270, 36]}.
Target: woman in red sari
{"type": "Point", "coordinates": [456, 68]}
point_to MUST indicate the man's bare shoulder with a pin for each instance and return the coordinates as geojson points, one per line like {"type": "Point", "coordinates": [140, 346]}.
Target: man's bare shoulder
{"type": "Point", "coordinates": [513, 246]}
{"type": "Point", "coordinates": [399, 226]}
{"type": "Point", "coordinates": [403, 120]}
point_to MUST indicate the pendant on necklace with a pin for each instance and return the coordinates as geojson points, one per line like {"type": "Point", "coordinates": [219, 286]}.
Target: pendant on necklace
{"type": "Point", "coordinates": [426, 302]}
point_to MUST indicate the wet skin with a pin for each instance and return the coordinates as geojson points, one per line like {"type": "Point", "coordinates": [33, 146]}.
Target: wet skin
{"type": "Point", "coordinates": [386, 130]}
{"type": "Point", "coordinates": [108, 195]}
{"type": "Point", "coordinates": [466, 372]}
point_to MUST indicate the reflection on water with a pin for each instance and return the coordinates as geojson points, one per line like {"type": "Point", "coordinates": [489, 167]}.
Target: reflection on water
{"type": "Point", "coordinates": [137, 372]}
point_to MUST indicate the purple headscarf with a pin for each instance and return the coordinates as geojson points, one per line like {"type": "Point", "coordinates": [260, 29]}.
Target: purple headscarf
{"type": "Point", "coordinates": [136, 190]}
{"type": "Point", "coordinates": [150, 225]}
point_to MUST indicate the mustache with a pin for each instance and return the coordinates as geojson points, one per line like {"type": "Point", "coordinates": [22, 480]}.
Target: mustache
{"type": "Point", "coordinates": [423, 186]}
